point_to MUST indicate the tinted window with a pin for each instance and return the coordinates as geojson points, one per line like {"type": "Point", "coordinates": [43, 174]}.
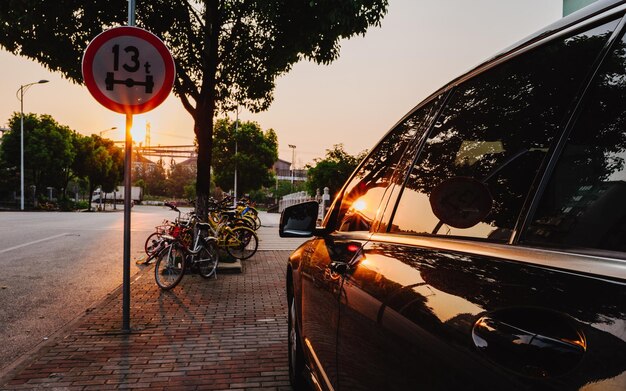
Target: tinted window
{"type": "Point", "coordinates": [584, 204]}
{"type": "Point", "coordinates": [477, 166]}
{"type": "Point", "coordinates": [365, 190]}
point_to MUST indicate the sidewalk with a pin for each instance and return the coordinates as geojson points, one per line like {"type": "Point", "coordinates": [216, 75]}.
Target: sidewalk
{"type": "Point", "coordinates": [228, 333]}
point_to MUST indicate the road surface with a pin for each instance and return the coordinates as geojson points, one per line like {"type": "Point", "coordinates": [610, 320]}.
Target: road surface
{"type": "Point", "coordinates": [56, 265]}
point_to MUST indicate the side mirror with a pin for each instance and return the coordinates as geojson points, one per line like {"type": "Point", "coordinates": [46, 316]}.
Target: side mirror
{"type": "Point", "coordinates": [299, 221]}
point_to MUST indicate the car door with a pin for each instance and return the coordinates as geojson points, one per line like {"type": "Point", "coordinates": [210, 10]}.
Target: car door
{"type": "Point", "coordinates": [349, 224]}
{"type": "Point", "coordinates": [443, 315]}
{"type": "Point", "coordinates": [439, 298]}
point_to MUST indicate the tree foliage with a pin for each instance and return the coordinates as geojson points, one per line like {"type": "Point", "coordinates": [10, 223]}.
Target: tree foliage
{"type": "Point", "coordinates": [179, 180]}
{"type": "Point", "coordinates": [152, 177]}
{"type": "Point", "coordinates": [333, 170]}
{"type": "Point", "coordinates": [228, 53]}
{"type": "Point", "coordinates": [99, 161]}
{"type": "Point", "coordinates": [256, 153]}
{"type": "Point", "coordinates": [48, 152]}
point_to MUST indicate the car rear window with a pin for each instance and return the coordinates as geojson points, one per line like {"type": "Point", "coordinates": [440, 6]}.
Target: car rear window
{"type": "Point", "coordinates": [584, 204]}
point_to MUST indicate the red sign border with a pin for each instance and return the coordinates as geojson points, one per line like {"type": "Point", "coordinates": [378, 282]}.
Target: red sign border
{"type": "Point", "coordinates": [90, 82]}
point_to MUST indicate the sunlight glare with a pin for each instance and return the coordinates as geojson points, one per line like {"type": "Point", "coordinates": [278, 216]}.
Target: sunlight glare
{"type": "Point", "coordinates": [359, 205]}
{"type": "Point", "coordinates": [138, 132]}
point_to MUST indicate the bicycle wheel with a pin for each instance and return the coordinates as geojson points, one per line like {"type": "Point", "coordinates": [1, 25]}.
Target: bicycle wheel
{"type": "Point", "coordinates": [241, 242]}
{"type": "Point", "coordinates": [152, 243]}
{"type": "Point", "coordinates": [207, 259]}
{"type": "Point", "coordinates": [170, 267]}
{"type": "Point", "coordinates": [254, 217]}
{"type": "Point", "coordinates": [244, 222]}
{"type": "Point", "coordinates": [257, 220]}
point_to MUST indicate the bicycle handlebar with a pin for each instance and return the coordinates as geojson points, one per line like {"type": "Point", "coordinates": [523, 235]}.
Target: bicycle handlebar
{"type": "Point", "coordinates": [171, 206]}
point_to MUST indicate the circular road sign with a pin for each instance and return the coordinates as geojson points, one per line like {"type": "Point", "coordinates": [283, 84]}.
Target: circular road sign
{"type": "Point", "coordinates": [128, 70]}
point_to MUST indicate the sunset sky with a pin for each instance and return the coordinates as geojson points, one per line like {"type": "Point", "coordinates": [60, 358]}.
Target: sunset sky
{"type": "Point", "coordinates": [421, 45]}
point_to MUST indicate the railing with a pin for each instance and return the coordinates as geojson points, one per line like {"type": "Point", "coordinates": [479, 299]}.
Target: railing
{"type": "Point", "coordinates": [302, 196]}
{"type": "Point", "coordinates": [293, 199]}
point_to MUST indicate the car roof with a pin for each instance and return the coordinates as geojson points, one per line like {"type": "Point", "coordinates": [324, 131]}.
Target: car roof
{"type": "Point", "coordinates": [570, 20]}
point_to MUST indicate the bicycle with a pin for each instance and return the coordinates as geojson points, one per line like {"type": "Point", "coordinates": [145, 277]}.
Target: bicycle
{"type": "Point", "coordinates": [175, 258]}
{"type": "Point", "coordinates": [179, 228]}
{"type": "Point", "coordinates": [239, 241]}
{"type": "Point", "coordinates": [220, 209]}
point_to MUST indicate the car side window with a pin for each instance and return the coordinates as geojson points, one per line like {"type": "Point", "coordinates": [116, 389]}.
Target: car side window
{"type": "Point", "coordinates": [584, 204]}
{"type": "Point", "coordinates": [365, 190]}
{"type": "Point", "coordinates": [478, 164]}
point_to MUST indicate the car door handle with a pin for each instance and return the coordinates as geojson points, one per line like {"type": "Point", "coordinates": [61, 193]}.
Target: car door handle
{"type": "Point", "coordinates": [532, 342]}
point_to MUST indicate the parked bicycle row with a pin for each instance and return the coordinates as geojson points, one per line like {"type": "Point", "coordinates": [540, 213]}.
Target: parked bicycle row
{"type": "Point", "coordinates": [187, 243]}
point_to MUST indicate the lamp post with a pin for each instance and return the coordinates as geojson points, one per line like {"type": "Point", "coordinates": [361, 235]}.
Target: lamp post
{"type": "Point", "coordinates": [293, 159]}
{"type": "Point", "coordinates": [21, 91]}
{"type": "Point", "coordinates": [106, 130]}
{"type": "Point", "coordinates": [235, 185]}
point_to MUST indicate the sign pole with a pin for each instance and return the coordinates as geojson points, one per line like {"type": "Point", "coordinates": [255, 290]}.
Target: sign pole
{"type": "Point", "coordinates": [131, 12]}
{"type": "Point", "coordinates": [127, 205]}
{"type": "Point", "coordinates": [130, 71]}
{"type": "Point", "coordinates": [128, 155]}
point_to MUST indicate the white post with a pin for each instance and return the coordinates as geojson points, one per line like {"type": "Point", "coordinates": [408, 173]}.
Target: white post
{"type": "Point", "coordinates": [293, 159]}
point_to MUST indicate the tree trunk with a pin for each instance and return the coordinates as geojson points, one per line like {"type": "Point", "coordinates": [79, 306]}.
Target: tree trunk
{"type": "Point", "coordinates": [205, 109]}
{"type": "Point", "coordinates": [203, 127]}
{"type": "Point", "coordinates": [90, 195]}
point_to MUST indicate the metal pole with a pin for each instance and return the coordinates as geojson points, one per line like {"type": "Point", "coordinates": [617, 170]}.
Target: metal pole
{"type": "Point", "coordinates": [128, 147]}
{"type": "Point", "coordinates": [21, 91]}
{"type": "Point", "coordinates": [236, 128]}
{"type": "Point", "coordinates": [131, 12]}
{"type": "Point", "coordinates": [21, 147]}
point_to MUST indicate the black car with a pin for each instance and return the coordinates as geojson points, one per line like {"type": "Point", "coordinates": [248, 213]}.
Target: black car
{"type": "Point", "coordinates": [482, 243]}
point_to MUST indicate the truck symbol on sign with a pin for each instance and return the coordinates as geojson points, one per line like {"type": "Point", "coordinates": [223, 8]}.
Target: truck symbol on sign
{"type": "Point", "coordinates": [134, 66]}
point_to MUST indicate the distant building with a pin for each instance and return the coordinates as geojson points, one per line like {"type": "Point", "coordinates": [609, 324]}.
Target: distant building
{"type": "Point", "coordinates": [142, 163]}
{"type": "Point", "coordinates": [282, 169]}
{"type": "Point", "coordinates": [190, 164]}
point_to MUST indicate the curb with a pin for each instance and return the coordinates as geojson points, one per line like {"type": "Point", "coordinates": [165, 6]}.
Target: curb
{"type": "Point", "coordinates": [24, 360]}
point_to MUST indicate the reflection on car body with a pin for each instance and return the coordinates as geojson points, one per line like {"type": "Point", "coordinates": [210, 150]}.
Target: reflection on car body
{"type": "Point", "coordinates": [482, 243]}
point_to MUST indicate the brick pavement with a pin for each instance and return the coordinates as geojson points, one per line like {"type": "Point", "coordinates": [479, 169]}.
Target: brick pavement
{"type": "Point", "coordinates": [227, 333]}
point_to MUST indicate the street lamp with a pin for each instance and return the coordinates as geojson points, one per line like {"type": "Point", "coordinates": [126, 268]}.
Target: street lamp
{"type": "Point", "coordinates": [236, 129]}
{"type": "Point", "coordinates": [22, 90]}
{"type": "Point", "coordinates": [293, 159]}
{"type": "Point", "coordinates": [106, 130]}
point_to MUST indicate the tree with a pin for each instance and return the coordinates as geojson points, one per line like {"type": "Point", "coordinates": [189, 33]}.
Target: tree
{"type": "Point", "coordinates": [100, 161]}
{"type": "Point", "coordinates": [179, 178]}
{"type": "Point", "coordinates": [228, 53]}
{"type": "Point", "coordinates": [332, 171]}
{"type": "Point", "coordinates": [48, 151]}
{"type": "Point", "coordinates": [151, 177]}
{"type": "Point", "coordinates": [257, 151]}
{"type": "Point", "coordinates": [156, 179]}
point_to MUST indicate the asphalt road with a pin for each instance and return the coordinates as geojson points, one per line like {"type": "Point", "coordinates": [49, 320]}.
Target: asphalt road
{"type": "Point", "coordinates": [56, 265]}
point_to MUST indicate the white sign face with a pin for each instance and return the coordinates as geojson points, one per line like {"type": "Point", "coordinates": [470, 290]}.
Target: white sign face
{"type": "Point", "coordinates": [128, 70]}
